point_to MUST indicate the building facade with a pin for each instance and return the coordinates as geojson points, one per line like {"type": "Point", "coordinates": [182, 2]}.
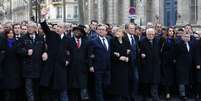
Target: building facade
{"type": "Point", "coordinates": [20, 10]}
{"type": "Point", "coordinates": [167, 12]}
{"type": "Point", "coordinates": [60, 12]}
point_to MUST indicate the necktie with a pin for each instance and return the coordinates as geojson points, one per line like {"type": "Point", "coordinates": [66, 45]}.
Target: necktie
{"type": "Point", "coordinates": [187, 46]}
{"type": "Point", "coordinates": [78, 43]}
{"type": "Point", "coordinates": [32, 38]}
{"type": "Point", "coordinates": [104, 45]}
{"type": "Point", "coordinates": [132, 40]}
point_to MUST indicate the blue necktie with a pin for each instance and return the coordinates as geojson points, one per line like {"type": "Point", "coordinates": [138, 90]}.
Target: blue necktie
{"type": "Point", "coordinates": [133, 41]}
{"type": "Point", "coordinates": [104, 45]}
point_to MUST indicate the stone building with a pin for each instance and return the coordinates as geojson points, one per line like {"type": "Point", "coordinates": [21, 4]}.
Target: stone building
{"type": "Point", "coordinates": [166, 12]}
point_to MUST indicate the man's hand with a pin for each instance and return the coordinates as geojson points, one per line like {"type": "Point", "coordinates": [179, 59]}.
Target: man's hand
{"type": "Point", "coordinates": [44, 12]}
{"type": "Point", "coordinates": [143, 55]}
{"type": "Point", "coordinates": [116, 54]}
{"type": "Point", "coordinates": [123, 58]}
{"type": "Point", "coordinates": [30, 52]}
{"type": "Point", "coordinates": [44, 56]}
{"type": "Point", "coordinates": [198, 67]}
{"type": "Point", "coordinates": [66, 64]}
{"type": "Point", "coordinates": [91, 69]}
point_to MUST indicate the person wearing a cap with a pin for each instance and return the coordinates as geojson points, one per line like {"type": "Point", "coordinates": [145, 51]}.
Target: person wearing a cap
{"type": "Point", "coordinates": [78, 67]}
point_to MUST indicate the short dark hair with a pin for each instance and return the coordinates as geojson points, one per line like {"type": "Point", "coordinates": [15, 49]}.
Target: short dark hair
{"type": "Point", "coordinates": [16, 24]}
{"type": "Point", "coordinates": [188, 25]}
{"type": "Point", "coordinates": [180, 29]}
{"type": "Point", "coordinates": [94, 21]}
{"type": "Point", "coordinates": [127, 25]}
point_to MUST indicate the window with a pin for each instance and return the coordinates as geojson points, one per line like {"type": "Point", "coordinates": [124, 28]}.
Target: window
{"type": "Point", "coordinates": [75, 12]}
{"type": "Point", "coordinates": [56, 0]}
{"type": "Point", "coordinates": [149, 10]}
{"type": "Point", "coordinates": [42, 1]}
{"type": "Point", "coordinates": [194, 12]}
{"type": "Point", "coordinates": [59, 12]}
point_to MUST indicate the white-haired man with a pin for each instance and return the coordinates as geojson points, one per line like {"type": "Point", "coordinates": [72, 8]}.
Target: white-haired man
{"type": "Point", "coordinates": [150, 58]}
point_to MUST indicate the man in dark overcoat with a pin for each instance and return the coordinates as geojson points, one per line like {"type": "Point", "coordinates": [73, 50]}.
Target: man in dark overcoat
{"type": "Point", "coordinates": [150, 62]}
{"type": "Point", "coordinates": [54, 73]}
{"type": "Point", "coordinates": [78, 67]}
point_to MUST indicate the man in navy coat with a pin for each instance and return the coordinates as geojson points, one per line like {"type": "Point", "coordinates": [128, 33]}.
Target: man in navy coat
{"type": "Point", "coordinates": [134, 63]}
{"type": "Point", "coordinates": [100, 54]}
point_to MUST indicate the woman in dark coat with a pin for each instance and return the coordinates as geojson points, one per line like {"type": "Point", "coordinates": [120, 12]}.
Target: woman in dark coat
{"type": "Point", "coordinates": [168, 61]}
{"type": "Point", "coordinates": [11, 68]}
{"type": "Point", "coordinates": [120, 70]}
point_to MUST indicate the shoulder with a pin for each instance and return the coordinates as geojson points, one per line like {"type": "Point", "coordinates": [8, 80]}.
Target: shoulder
{"type": "Point", "coordinates": [24, 37]}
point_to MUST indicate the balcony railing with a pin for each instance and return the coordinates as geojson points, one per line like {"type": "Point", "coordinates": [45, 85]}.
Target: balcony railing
{"type": "Point", "coordinates": [56, 1]}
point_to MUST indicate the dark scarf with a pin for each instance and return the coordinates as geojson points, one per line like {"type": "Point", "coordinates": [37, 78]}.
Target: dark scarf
{"type": "Point", "coordinates": [10, 42]}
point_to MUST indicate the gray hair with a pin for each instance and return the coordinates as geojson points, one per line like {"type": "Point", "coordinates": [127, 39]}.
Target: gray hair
{"type": "Point", "coordinates": [150, 30]}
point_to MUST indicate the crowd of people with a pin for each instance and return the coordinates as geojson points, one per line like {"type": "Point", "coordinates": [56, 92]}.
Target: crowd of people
{"type": "Point", "coordinates": [98, 62]}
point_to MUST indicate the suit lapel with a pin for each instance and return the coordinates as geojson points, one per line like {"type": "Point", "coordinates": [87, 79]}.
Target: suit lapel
{"type": "Point", "coordinates": [100, 43]}
{"type": "Point", "coordinates": [108, 41]}
{"type": "Point", "coordinates": [185, 47]}
{"type": "Point", "coordinates": [74, 42]}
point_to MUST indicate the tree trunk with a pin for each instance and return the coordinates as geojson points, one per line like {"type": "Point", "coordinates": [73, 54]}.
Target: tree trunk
{"type": "Point", "coordinates": [81, 11]}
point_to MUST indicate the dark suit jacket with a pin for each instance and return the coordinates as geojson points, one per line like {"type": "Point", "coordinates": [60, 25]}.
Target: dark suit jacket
{"type": "Point", "coordinates": [134, 51]}
{"type": "Point", "coordinates": [101, 60]}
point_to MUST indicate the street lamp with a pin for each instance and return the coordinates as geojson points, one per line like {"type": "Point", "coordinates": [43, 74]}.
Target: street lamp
{"type": "Point", "coordinates": [36, 3]}
{"type": "Point", "coordinates": [64, 10]}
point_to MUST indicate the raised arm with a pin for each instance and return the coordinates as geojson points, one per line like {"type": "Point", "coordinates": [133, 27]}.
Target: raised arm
{"type": "Point", "coordinates": [43, 22]}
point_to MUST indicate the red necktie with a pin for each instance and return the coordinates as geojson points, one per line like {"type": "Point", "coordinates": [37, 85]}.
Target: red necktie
{"type": "Point", "coordinates": [78, 43]}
